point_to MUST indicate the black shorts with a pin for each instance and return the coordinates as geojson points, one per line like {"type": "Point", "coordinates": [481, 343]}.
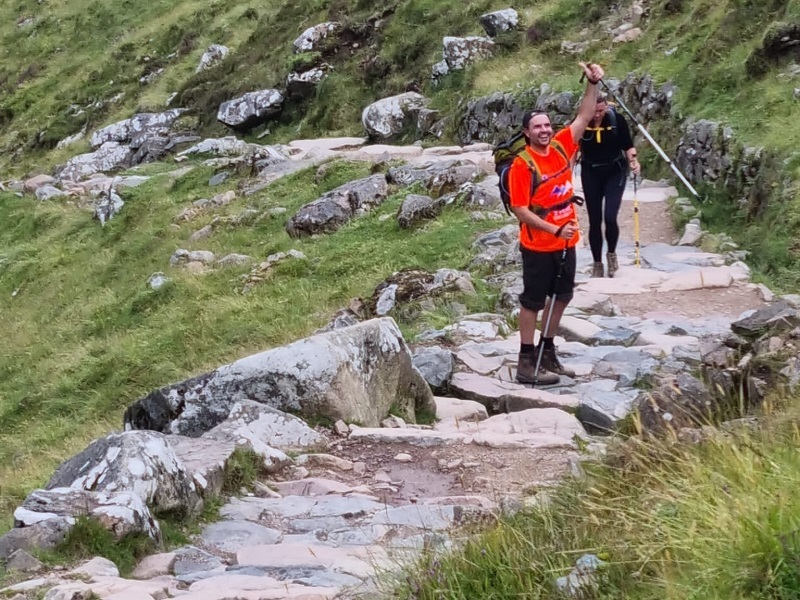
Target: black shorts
{"type": "Point", "coordinates": [540, 273]}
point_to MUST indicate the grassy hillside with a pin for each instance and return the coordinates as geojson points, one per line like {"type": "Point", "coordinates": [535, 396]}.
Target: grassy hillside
{"type": "Point", "coordinates": [83, 334]}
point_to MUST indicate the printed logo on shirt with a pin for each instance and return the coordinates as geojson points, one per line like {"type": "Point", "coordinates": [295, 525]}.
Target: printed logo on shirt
{"type": "Point", "coordinates": [562, 189]}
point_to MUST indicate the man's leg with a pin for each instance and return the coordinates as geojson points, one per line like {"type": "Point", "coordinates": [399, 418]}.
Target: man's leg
{"type": "Point", "coordinates": [537, 277]}
{"type": "Point", "coordinates": [527, 325]}
{"type": "Point", "coordinates": [564, 290]}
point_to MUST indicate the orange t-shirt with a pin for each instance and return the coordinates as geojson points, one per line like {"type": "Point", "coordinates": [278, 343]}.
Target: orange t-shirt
{"type": "Point", "coordinates": [551, 191]}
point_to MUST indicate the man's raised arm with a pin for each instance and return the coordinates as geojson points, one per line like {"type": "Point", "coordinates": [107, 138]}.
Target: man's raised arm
{"type": "Point", "coordinates": [594, 73]}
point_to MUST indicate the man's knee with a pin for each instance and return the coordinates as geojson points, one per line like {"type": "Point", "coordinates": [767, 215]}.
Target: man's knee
{"type": "Point", "coordinates": [532, 304]}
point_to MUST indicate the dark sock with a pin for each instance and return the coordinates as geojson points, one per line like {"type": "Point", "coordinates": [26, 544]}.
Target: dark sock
{"type": "Point", "coordinates": [548, 342]}
{"type": "Point", "coordinates": [527, 348]}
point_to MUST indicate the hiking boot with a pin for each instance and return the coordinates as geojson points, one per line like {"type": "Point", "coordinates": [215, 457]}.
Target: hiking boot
{"type": "Point", "coordinates": [526, 371]}
{"type": "Point", "coordinates": [597, 269]}
{"type": "Point", "coordinates": [613, 265]}
{"type": "Point", "coordinates": [551, 363]}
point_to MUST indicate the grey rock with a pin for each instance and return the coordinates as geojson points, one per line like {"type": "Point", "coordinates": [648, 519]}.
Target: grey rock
{"type": "Point", "coordinates": [251, 109]}
{"type": "Point", "coordinates": [192, 564]}
{"type": "Point", "coordinates": [215, 54]}
{"type": "Point", "coordinates": [438, 179]}
{"type": "Point", "coordinates": [619, 336]}
{"type": "Point", "coordinates": [499, 21]}
{"type": "Point", "coordinates": [356, 374]}
{"type": "Point", "coordinates": [776, 318]}
{"type": "Point", "coordinates": [135, 461]}
{"type": "Point", "coordinates": [231, 536]}
{"type": "Point", "coordinates": [335, 208]}
{"type": "Point", "coordinates": [219, 178]}
{"type": "Point", "coordinates": [417, 208]}
{"type": "Point", "coordinates": [390, 116]}
{"type": "Point", "coordinates": [458, 52]}
{"type": "Point", "coordinates": [44, 535]}
{"type": "Point", "coordinates": [23, 562]}
{"type": "Point", "coordinates": [108, 157]}
{"type": "Point", "coordinates": [435, 363]}
{"type": "Point", "coordinates": [311, 37]}
{"type": "Point", "coordinates": [48, 192]}
{"type": "Point", "coordinates": [303, 85]}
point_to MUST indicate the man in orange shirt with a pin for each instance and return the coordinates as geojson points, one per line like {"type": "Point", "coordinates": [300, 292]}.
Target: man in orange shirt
{"type": "Point", "coordinates": [548, 230]}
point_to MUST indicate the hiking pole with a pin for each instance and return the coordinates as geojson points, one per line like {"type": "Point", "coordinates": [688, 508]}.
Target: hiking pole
{"type": "Point", "coordinates": [653, 142]}
{"type": "Point", "coordinates": [546, 327]}
{"type": "Point", "coordinates": [636, 221]}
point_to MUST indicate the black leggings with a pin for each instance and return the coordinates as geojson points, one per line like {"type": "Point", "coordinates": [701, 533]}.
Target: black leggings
{"type": "Point", "coordinates": [599, 183]}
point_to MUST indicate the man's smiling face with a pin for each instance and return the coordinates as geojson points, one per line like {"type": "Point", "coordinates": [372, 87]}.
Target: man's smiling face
{"type": "Point", "coordinates": [539, 131]}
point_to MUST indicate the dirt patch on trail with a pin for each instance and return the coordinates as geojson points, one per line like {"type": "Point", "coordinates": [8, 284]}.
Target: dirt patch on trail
{"type": "Point", "coordinates": [729, 302]}
{"type": "Point", "coordinates": [454, 470]}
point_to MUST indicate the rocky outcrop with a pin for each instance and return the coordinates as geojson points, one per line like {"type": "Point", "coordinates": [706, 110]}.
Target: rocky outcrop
{"type": "Point", "coordinates": [390, 116]}
{"type": "Point", "coordinates": [498, 116]}
{"type": "Point", "coordinates": [251, 109]}
{"type": "Point", "coordinates": [335, 208]}
{"type": "Point", "coordinates": [356, 374]}
{"type": "Point", "coordinates": [142, 138]}
{"type": "Point", "coordinates": [439, 178]}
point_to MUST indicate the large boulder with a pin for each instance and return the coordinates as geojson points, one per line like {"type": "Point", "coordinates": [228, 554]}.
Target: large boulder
{"type": "Point", "coordinates": [389, 116]}
{"type": "Point", "coordinates": [251, 109]}
{"type": "Point", "coordinates": [356, 374]}
{"type": "Point", "coordinates": [499, 21]}
{"type": "Point", "coordinates": [141, 462]}
{"type": "Point", "coordinates": [335, 208]}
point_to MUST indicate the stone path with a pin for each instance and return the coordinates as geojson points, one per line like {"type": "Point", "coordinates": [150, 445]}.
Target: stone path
{"type": "Point", "coordinates": [331, 525]}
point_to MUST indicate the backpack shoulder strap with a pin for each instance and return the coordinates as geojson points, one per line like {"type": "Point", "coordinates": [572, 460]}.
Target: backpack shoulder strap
{"type": "Point", "coordinates": [560, 149]}
{"type": "Point", "coordinates": [533, 167]}
{"type": "Point", "coordinates": [612, 117]}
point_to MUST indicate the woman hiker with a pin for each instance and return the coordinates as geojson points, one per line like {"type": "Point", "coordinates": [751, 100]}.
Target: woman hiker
{"type": "Point", "coordinates": [607, 153]}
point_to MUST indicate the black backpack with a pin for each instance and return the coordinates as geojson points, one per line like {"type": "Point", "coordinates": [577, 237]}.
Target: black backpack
{"type": "Point", "coordinates": [504, 154]}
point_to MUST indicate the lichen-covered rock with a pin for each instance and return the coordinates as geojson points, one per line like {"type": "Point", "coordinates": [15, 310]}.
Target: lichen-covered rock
{"type": "Point", "coordinates": [355, 374]}
{"type": "Point", "coordinates": [141, 462]}
{"type": "Point", "coordinates": [389, 116]}
{"type": "Point", "coordinates": [251, 109]}
{"type": "Point", "coordinates": [108, 157]}
{"type": "Point", "coordinates": [461, 51]}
